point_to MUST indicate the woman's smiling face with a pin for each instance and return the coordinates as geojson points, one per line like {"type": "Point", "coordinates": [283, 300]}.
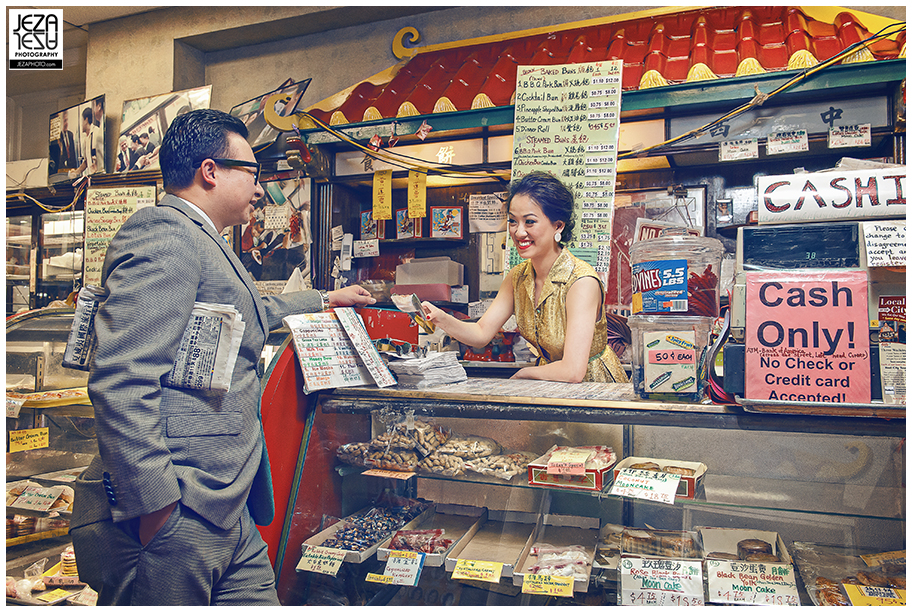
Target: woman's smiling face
{"type": "Point", "coordinates": [532, 232]}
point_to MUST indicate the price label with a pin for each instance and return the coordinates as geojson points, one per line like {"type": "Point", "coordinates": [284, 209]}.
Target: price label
{"type": "Point", "coordinates": [379, 578]}
{"type": "Point", "coordinates": [28, 439]}
{"type": "Point", "coordinates": [661, 582]}
{"type": "Point", "coordinates": [646, 484]}
{"type": "Point", "coordinates": [404, 567]}
{"type": "Point", "coordinates": [736, 582]}
{"type": "Point", "coordinates": [53, 595]}
{"type": "Point", "coordinates": [37, 498]}
{"type": "Point", "coordinates": [321, 560]}
{"type": "Point", "coordinates": [861, 595]}
{"type": "Point", "coordinates": [555, 586]}
{"type": "Point", "coordinates": [388, 474]}
{"type": "Point", "coordinates": [569, 461]}
{"type": "Point", "coordinates": [672, 356]}
{"type": "Point", "coordinates": [486, 571]}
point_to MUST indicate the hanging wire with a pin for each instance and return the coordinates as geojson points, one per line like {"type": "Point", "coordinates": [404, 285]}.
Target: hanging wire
{"type": "Point", "coordinates": [760, 98]}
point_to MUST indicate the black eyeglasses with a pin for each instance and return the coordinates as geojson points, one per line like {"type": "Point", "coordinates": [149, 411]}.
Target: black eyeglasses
{"type": "Point", "coordinates": [237, 163]}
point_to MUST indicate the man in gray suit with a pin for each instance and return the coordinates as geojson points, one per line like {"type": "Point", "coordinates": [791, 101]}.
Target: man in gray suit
{"type": "Point", "coordinates": [166, 514]}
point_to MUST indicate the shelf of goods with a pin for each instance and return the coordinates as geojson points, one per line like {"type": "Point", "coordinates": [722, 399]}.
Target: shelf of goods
{"type": "Point", "coordinates": [795, 480]}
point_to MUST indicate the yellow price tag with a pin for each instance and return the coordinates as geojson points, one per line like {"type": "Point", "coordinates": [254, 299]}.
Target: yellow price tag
{"type": "Point", "coordinates": [417, 194]}
{"type": "Point", "coordinates": [383, 195]}
{"type": "Point", "coordinates": [379, 578]}
{"type": "Point", "coordinates": [486, 571]}
{"type": "Point", "coordinates": [28, 439]}
{"type": "Point", "coordinates": [405, 554]}
{"type": "Point", "coordinates": [557, 586]}
{"type": "Point", "coordinates": [861, 595]}
{"type": "Point", "coordinates": [53, 595]}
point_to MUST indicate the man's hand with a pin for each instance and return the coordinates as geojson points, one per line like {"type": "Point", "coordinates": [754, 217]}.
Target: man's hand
{"type": "Point", "coordinates": [150, 524]}
{"type": "Point", "coordinates": [353, 295]}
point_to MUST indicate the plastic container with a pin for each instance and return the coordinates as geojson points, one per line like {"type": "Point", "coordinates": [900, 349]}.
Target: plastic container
{"type": "Point", "coordinates": [668, 356]}
{"type": "Point", "coordinates": [676, 275]}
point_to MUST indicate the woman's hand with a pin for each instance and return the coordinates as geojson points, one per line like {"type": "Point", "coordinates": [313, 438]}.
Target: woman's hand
{"type": "Point", "coordinates": [353, 295]}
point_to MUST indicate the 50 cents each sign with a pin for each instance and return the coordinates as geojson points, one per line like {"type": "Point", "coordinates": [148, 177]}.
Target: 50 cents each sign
{"type": "Point", "coordinates": [645, 484]}
{"type": "Point", "coordinates": [321, 560]}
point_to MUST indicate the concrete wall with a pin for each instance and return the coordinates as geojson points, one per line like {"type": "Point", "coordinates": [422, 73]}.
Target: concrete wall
{"type": "Point", "coordinates": [153, 53]}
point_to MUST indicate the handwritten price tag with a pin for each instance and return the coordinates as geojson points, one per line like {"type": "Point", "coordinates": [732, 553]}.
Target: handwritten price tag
{"type": "Point", "coordinates": [646, 484]}
{"type": "Point", "coordinates": [661, 582]}
{"type": "Point", "coordinates": [53, 595]}
{"type": "Point", "coordinates": [556, 586]}
{"type": "Point", "coordinates": [28, 439]}
{"type": "Point", "coordinates": [569, 461]}
{"type": "Point", "coordinates": [874, 596]}
{"type": "Point", "coordinates": [751, 583]}
{"type": "Point", "coordinates": [37, 498]}
{"type": "Point", "coordinates": [404, 567]}
{"type": "Point", "coordinates": [672, 356]}
{"type": "Point", "coordinates": [379, 578]}
{"type": "Point", "coordinates": [486, 571]}
{"type": "Point", "coordinates": [388, 474]}
{"type": "Point", "coordinates": [321, 560]}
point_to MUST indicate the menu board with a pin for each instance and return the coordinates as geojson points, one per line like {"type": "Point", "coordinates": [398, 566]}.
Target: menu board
{"type": "Point", "coordinates": [106, 210]}
{"type": "Point", "coordinates": [567, 122]}
{"type": "Point", "coordinates": [333, 354]}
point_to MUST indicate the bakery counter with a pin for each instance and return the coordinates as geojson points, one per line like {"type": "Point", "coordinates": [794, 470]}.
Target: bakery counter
{"type": "Point", "coordinates": [494, 398]}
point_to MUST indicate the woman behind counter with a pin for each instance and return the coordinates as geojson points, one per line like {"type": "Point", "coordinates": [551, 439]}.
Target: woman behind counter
{"type": "Point", "coordinates": [557, 298]}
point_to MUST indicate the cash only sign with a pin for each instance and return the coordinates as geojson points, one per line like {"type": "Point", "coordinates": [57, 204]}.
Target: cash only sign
{"type": "Point", "coordinates": [807, 337]}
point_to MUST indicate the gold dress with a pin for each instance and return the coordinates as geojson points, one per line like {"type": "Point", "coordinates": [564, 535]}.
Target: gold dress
{"type": "Point", "coordinates": [543, 327]}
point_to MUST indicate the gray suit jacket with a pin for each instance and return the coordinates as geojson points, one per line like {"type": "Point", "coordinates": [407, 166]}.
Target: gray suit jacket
{"type": "Point", "coordinates": [158, 444]}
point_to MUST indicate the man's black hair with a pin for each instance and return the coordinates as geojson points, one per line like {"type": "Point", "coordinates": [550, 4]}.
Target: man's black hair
{"type": "Point", "coordinates": [192, 138]}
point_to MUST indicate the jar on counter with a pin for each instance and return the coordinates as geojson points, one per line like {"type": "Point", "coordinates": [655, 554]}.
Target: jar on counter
{"type": "Point", "coordinates": [676, 274]}
{"type": "Point", "coordinates": [668, 356]}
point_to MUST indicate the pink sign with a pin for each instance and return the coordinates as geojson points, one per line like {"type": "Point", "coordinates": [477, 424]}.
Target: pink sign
{"type": "Point", "coordinates": [807, 337]}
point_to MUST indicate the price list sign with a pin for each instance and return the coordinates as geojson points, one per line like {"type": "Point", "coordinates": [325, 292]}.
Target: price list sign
{"type": "Point", "coordinates": [736, 582]}
{"type": "Point", "coordinates": [661, 582]}
{"type": "Point", "coordinates": [327, 356]}
{"type": "Point", "coordinates": [646, 484]}
{"type": "Point", "coordinates": [320, 560]}
{"type": "Point", "coordinates": [567, 123]}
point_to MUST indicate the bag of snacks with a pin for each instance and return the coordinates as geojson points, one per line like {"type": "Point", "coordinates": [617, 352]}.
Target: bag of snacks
{"type": "Point", "coordinates": [504, 466]}
{"type": "Point", "coordinates": [429, 541]}
{"type": "Point", "coordinates": [396, 460]}
{"type": "Point", "coordinates": [469, 447]}
{"type": "Point", "coordinates": [354, 453]}
{"type": "Point", "coordinates": [445, 465]}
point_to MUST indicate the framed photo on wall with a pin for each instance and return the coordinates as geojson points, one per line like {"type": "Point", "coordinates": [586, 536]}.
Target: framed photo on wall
{"type": "Point", "coordinates": [370, 228]}
{"type": "Point", "coordinates": [407, 227]}
{"type": "Point", "coordinates": [145, 121]}
{"type": "Point", "coordinates": [260, 133]}
{"type": "Point", "coordinates": [76, 141]}
{"type": "Point", "coordinates": [446, 222]}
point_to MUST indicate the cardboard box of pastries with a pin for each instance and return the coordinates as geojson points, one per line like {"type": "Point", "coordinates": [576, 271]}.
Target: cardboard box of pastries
{"type": "Point", "coordinates": [750, 545]}
{"type": "Point", "coordinates": [597, 469]}
{"type": "Point", "coordinates": [691, 472]}
{"type": "Point", "coordinates": [660, 543]}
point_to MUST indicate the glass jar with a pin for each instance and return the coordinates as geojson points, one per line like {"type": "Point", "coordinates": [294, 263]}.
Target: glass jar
{"type": "Point", "coordinates": [668, 356]}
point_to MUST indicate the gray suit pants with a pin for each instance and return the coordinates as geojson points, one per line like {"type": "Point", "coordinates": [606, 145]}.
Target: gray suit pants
{"type": "Point", "coordinates": [189, 562]}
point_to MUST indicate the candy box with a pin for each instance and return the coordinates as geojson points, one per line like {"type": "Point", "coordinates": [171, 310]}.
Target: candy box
{"type": "Point", "coordinates": [593, 475]}
{"type": "Point", "coordinates": [571, 538]}
{"type": "Point", "coordinates": [454, 521]}
{"type": "Point", "coordinates": [688, 486]}
{"type": "Point", "coordinates": [500, 539]}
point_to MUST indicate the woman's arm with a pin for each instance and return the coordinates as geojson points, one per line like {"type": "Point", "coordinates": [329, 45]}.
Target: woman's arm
{"type": "Point", "coordinates": [476, 334]}
{"type": "Point", "coordinates": [582, 307]}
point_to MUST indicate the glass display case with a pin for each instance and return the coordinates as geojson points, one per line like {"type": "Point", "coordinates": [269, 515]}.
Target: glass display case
{"type": "Point", "coordinates": [61, 245]}
{"type": "Point", "coordinates": [809, 480]}
{"type": "Point", "coordinates": [18, 262]}
{"type": "Point", "coordinates": [63, 425]}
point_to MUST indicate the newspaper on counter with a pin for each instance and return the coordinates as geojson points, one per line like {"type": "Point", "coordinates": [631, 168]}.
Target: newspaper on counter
{"type": "Point", "coordinates": [209, 348]}
{"type": "Point", "coordinates": [82, 340]}
{"type": "Point", "coordinates": [436, 368]}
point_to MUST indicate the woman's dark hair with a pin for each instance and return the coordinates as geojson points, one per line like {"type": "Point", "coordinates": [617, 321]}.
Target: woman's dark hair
{"type": "Point", "coordinates": [555, 199]}
{"type": "Point", "coordinates": [192, 138]}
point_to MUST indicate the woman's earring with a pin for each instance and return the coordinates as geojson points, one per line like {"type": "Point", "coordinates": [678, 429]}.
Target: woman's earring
{"type": "Point", "coordinates": [557, 236]}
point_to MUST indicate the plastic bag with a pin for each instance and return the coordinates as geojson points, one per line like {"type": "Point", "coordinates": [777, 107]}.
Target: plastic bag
{"type": "Point", "coordinates": [33, 579]}
{"type": "Point", "coordinates": [353, 453]}
{"type": "Point", "coordinates": [469, 447]}
{"type": "Point", "coordinates": [430, 541]}
{"type": "Point", "coordinates": [396, 460]}
{"type": "Point", "coordinates": [444, 465]}
{"type": "Point", "coordinates": [561, 561]}
{"type": "Point", "coordinates": [504, 466]}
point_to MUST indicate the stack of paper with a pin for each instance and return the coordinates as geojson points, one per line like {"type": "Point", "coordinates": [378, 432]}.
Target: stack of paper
{"type": "Point", "coordinates": [434, 369]}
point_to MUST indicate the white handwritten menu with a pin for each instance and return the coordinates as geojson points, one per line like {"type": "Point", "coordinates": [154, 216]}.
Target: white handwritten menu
{"type": "Point", "coordinates": [330, 357]}
{"type": "Point", "coordinates": [106, 210]}
{"type": "Point", "coordinates": [567, 122]}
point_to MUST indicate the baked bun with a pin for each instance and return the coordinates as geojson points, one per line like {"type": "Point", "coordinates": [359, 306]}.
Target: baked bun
{"type": "Point", "coordinates": [752, 546]}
